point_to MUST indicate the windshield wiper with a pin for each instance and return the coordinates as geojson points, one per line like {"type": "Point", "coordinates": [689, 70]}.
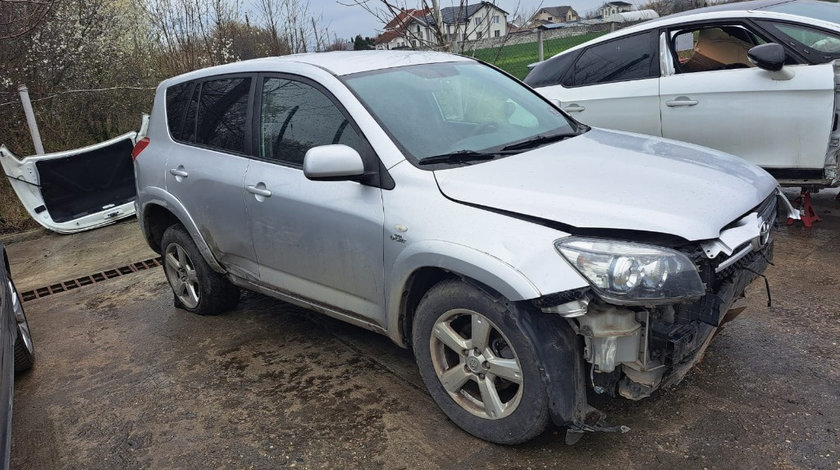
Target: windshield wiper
{"type": "Point", "coordinates": [459, 156]}
{"type": "Point", "coordinates": [539, 140]}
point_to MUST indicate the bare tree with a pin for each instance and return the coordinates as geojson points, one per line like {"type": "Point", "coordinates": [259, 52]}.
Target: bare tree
{"type": "Point", "coordinates": [21, 17]}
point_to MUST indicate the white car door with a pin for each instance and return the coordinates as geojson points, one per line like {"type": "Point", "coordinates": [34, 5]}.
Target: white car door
{"type": "Point", "coordinates": [715, 97]}
{"type": "Point", "coordinates": [613, 84]}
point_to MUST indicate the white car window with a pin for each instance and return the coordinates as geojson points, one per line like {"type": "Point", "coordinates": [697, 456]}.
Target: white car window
{"type": "Point", "coordinates": [713, 48]}
{"type": "Point", "coordinates": [815, 39]}
{"type": "Point", "coordinates": [630, 58]}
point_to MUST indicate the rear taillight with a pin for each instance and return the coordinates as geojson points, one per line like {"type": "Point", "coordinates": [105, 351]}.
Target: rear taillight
{"type": "Point", "coordinates": [139, 146]}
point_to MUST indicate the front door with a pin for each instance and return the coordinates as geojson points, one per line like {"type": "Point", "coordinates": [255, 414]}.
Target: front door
{"type": "Point", "coordinates": [322, 240]}
{"type": "Point", "coordinates": [715, 97]}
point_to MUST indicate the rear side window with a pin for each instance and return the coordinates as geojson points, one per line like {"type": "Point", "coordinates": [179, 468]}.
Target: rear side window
{"type": "Point", "coordinates": [223, 114]}
{"type": "Point", "coordinates": [552, 71]}
{"type": "Point", "coordinates": [629, 58]}
{"type": "Point", "coordinates": [296, 117]}
{"type": "Point", "coordinates": [177, 97]}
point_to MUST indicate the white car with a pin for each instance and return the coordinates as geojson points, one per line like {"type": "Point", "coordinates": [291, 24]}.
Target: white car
{"type": "Point", "coordinates": [754, 79]}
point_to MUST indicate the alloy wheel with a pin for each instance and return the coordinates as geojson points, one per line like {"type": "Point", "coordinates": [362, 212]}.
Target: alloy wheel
{"type": "Point", "coordinates": [20, 318]}
{"type": "Point", "coordinates": [180, 271]}
{"type": "Point", "coordinates": [476, 364]}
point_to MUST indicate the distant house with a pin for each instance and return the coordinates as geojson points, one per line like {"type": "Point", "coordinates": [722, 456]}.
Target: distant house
{"type": "Point", "coordinates": [612, 8]}
{"type": "Point", "coordinates": [415, 28]}
{"type": "Point", "coordinates": [471, 22]}
{"type": "Point", "coordinates": [561, 14]}
{"type": "Point", "coordinates": [394, 34]}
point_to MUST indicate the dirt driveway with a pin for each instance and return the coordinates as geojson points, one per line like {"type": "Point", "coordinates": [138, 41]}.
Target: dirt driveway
{"type": "Point", "coordinates": [124, 380]}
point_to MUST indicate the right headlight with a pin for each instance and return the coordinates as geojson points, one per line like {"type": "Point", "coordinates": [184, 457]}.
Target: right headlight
{"type": "Point", "coordinates": [633, 273]}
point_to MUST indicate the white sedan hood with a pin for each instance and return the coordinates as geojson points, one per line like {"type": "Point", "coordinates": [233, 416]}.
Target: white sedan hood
{"type": "Point", "coordinates": [616, 180]}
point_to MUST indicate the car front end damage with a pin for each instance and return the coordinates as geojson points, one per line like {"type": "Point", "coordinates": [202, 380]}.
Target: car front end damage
{"type": "Point", "coordinates": [631, 345]}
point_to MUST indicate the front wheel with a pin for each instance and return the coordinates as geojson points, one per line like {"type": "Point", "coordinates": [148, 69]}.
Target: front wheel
{"type": "Point", "coordinates": [479, 366]}
{"type": "Point", "coordinates": [196, 286]}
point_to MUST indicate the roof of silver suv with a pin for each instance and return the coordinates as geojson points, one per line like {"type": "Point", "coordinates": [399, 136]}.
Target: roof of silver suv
{"type": "Point", "coordinates": [337, 63]}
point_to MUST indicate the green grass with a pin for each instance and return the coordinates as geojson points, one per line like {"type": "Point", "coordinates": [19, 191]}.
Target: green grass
{"type": "Point", "coordinates": [514, 58]}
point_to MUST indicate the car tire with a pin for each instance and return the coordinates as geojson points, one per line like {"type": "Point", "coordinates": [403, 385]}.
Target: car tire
{"type": "Point", "coordinates": [196, 287]}
{"type": "Point", "coordinates": [24, 350]}
{"type": "Point", "coordinates": [494, 389]}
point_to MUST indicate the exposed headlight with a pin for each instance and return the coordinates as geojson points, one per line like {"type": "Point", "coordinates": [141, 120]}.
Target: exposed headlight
{"type": "Point", "coordinates": [633, 273]}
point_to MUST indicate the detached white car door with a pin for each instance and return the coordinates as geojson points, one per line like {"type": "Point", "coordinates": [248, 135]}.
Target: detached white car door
{"type": "Point", "coordinates": [713, 96]}
{"type": "Point", "coordinates": [612, 84]}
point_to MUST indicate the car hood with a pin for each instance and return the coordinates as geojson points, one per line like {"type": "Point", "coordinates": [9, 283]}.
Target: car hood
{"type": "Point", "coordinates": [617, 180]}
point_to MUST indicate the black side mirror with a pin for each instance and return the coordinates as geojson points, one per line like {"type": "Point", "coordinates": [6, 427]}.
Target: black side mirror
{"type": "Point", "coordinates": [770, 56]}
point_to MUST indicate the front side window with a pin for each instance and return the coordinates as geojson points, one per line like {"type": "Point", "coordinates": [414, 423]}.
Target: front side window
{"type": "Point", "coordinates": [436, 109]}
{"type": "Point", "coordinates": [814, 43]}
{"type": "Point", "coordinates": [222, 114]}
{"type": "Point", "coordinates": [629, 58]}
{"type": "Point", "coordinates": [713, 48]}
{"type": "Point", "coordinates": [294, 117]}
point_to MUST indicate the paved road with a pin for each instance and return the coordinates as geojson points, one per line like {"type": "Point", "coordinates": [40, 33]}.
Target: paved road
{"type": "Point", "coordinates": [125, 380]}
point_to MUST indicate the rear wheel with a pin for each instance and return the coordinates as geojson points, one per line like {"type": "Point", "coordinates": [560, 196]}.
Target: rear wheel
{"type": "Point", "coordinates": [24, 349]}
{"type": "Point", "coordinates": [197, 288]}
{"type": "Point", "coordinates": [478, 365]}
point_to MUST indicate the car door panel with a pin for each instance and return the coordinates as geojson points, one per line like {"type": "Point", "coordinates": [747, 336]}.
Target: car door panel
{"type": "Point", "coordinates": [208, 174]}
{"type": "Point", "coordinates": [322, 240]}
{"type": "Point", "coordinates": [614, 84]}
{"type": "Point", "coordinates": [631, 106]}
{"type": "Point", "coordinates": [772, 123]}
{"type": "Point", "coordinates": [319, 239]}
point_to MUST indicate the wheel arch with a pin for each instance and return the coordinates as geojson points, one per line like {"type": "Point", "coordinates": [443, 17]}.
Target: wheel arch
{"type": "Point", "coordinates": [162, 211]}
{"type": "Point", "coordinates": [419, 268]}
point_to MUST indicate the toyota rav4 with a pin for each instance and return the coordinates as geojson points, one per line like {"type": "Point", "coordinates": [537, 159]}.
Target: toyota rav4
{"type": "Point", "coordinates": [525, 258]}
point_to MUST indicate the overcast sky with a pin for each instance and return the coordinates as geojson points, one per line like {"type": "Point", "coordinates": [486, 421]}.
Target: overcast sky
{"type": "Point", "coordinates": [348, 21]}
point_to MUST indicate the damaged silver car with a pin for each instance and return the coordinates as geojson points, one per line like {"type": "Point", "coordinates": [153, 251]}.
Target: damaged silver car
{"type": "Point", "coordinates": [524, 257]}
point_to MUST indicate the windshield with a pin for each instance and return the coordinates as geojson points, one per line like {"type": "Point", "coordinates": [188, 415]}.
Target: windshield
{"type": "Point", "coordinates": [825, 11]}
{"type": "Point", "coordinates": [467, 111]}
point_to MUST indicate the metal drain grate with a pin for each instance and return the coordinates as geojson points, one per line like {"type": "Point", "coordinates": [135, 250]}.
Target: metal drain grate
{"type": "Point", "coordinates": [90, 279]}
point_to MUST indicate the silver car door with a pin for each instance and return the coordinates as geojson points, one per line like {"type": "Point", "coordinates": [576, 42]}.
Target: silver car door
{"type": "Point", "coordinates": [322, 240]}
{"type": "Point", "coordinates": [206, 166]}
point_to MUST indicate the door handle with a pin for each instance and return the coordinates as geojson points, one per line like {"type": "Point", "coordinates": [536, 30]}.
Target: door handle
{"type": "Point", "coordinates": [681, 101]}
{"type": "Point", "coordinates": [258, 191]}
{"type": "Point", "coordinates": [574, 108]}
{"type": "Point", "coordinates": [179, 172]}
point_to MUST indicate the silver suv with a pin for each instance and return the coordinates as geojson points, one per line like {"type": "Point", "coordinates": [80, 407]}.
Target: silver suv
{"type": "Point", "coordinates": [524, 257]}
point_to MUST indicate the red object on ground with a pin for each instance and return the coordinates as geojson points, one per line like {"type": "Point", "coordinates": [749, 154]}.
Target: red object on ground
{"type": "Point", "coordinates": [809, 215]}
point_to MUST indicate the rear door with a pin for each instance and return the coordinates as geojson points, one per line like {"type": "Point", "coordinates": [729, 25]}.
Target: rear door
{"type": "Point", "coordinates": [613, 84]}
{"type": "Point", "coordinates": [322, 240]}
{"type": "Point", "coordinates": [205, 170]}
{"type": "Point", "coordinates": [715, 97]}
{"type": "Point", "coordinates": [77, 189]}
